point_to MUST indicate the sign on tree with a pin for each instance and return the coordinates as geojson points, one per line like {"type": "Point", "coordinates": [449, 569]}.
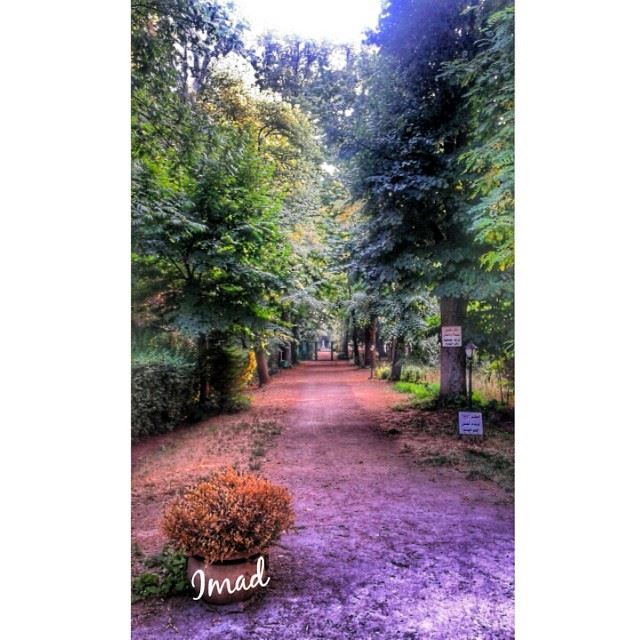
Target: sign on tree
{"type": "Point", "coordinates": [452, 336]}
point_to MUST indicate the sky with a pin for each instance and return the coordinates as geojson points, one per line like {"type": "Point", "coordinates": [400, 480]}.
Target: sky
{"type": "Point", "coordinates": [335, 20]}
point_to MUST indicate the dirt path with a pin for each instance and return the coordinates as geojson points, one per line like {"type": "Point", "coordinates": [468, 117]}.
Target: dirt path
{"type": "Point", "coordinates": [382, 549]}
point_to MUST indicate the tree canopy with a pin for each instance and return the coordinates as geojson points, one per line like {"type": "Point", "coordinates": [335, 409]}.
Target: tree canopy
{"type": "Point", "coordinates": [292, 186]}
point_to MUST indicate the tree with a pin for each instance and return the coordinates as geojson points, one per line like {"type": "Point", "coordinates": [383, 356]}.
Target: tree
{"type": "Point", "coordinates": [219, 170]}
{"type": "Point", "coordinates": [488, 158]}
{"type": "Point", "coordinates": [409, 129]}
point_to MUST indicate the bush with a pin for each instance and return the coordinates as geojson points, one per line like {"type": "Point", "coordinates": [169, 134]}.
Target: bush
{"type": "Point", "coordinates": [383, 372]}
{"type": "Point", "coordinates": [161, 347]}
{"type": "Point", "coordinates": [228, 514]}
{"type": "Point", "coordinates": [162, 396]}
{"type": "Point", "coordinates": [238, 403]}
{"type": "Point", "coordinates": [413, 373]}
{"type": "Point", "coordinates": [168, 576]}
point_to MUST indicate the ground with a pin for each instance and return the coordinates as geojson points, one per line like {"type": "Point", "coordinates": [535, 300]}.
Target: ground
{"type": "Point", "coordinates": [382, 548]}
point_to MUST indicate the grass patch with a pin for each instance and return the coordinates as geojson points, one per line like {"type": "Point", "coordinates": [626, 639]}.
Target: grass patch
{"type": "Point", "coordinates": [438, 460]}
{"type": "Point", "coordinates": [424, 396]}
{"type": "Point", "coordinates": [494, 466]}
{"type": "Point", "coordinates": [417, 389]}
{"type": "Point", "coordinates": [474, 462]}
{"type": "Point", "coordinates": [431, 440]}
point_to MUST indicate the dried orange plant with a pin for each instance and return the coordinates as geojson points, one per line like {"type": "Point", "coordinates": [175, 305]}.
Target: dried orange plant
{"type": "Point", "coordinates": [227, 515]}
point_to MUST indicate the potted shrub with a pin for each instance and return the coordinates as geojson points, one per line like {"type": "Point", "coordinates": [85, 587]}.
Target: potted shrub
{"type": "Point", "coordinates": [224, 525]}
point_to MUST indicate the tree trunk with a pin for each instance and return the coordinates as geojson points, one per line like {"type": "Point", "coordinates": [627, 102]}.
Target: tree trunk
{"type": "Point", "coordinates": [370, 344]}
{"type": "Point", "coordinates": [262, 366]}
{"type": "Point", "coordinates": [379, 343]}
{"type": "Point", "coordinates": [354, 337]}
{"type": "Point", "coordinates": [452, 359]}
{"type": "Point", "coordinates": [203, 369]}
{"type": "Point", "coordinates": [397, 355]}
{"type": "Point", "coordinates": [294, 347]}
{"type": "Point", "coordinates": [345, 338]}
{"type": "Point", "coordinates": [288, 352]}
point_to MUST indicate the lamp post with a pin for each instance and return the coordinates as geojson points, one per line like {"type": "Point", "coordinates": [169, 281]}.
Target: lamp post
{"type": "Point", "coordinates": [469, 350]}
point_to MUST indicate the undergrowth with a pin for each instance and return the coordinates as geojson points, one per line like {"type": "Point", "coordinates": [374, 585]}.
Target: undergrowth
{"type": "Point", "coordinates": [166, 576]}
{"type": "Point", "coordinates": [433, 442]}
{"type": "Point", "coordinates": [417, 390]}
{"type": "Point", "coordinates": [426, 397]}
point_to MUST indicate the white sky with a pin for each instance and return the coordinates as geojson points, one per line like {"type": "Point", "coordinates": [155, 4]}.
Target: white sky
{"type": "Point", "coordinates": [336, 20]}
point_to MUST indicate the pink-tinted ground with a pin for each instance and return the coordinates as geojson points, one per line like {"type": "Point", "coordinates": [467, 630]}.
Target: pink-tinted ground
{"type": "Point", "coordinates": [381, 549]}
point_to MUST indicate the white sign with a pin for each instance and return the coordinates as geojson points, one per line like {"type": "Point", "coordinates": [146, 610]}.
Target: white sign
{"type": "Point", "coordinates": [451, 336]}
{"type": "Point", "coordinates": [470, 423]}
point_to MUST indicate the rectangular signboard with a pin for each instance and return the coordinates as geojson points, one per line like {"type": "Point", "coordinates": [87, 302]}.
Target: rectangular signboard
{"type": "Point", "coordinates": [470, 423]}
{"type": "Point", "coordinates": [452, 336]}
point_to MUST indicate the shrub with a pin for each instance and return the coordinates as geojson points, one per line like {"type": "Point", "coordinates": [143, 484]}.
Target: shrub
{"type": "Point", "coordinates": [150, 347]}
{"type": "Point", "coordinates": [413, 373]}
{"type": "Point", "coordinates": [162, 396]}
{"type": "Point", "coordinates": [238, 403]}
{"type": "Point", "coordinates": [383, 372]}
{"type": "Point", "coordinates": [228, 514]}
{"type": "Point", "coordinates": [168, 576]}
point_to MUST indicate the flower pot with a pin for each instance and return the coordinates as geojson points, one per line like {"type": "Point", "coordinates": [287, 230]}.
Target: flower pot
{"type": "Point", "coordinates": [233, 580]}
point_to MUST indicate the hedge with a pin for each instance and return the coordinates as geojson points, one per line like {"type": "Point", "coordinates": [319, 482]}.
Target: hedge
{"type": "Point", "coordinates": [162, 396]}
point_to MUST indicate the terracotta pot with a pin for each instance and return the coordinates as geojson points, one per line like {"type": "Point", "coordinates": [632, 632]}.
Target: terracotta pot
{"type": "Point", "coordinates": [227, 575]}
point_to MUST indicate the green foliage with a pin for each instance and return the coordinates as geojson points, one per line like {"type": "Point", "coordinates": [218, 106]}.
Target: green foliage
{"type": "Point", "coordinates": [426, 397]}
{"type": "Point", "coordinates": [167, 576]}
{"type": "Point", "coordinates": [430, 154]}
{"type": "Point", "coordinates": [413, 373]}
{"type": "Point", "coordinates": [488, 158]}
{"type": "Point", "coordinates": [162, 396]}
{"type": "Point", "coordinates": [230, 210]}
{"type": "Point", "coordinates": [383, 372]}
{"type": "Point", "coordinates": [412, 237]}
{"type": "Point", "coordinates": [218, 171]}
{"type": "Point", "coordinates": [420, 391]}
{"type": "Point", "coordinates": [423, 396]}
{"type": "Point", "coordinates": [154, 348]}
{"type": "Point", "coordinates": [239, 229]}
